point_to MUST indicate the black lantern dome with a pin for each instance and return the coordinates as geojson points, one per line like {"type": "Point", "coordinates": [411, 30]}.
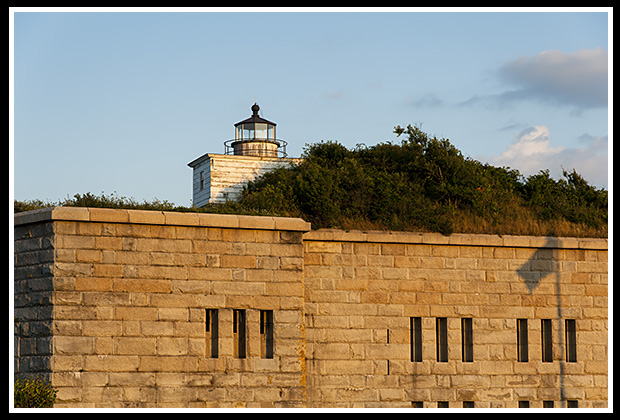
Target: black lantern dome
{"type": "Point", "coordinates": [256, 136]}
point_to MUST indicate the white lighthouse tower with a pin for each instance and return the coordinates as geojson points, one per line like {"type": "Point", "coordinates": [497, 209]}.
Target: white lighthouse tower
{"type": "Point", "coordinates": [254, 151]}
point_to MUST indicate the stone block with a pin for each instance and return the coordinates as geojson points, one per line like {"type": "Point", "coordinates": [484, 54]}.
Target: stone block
{"type": "Point", "coordinates": [181, 219]}
{"type": "Point", "coordinates": [172, 346]}
{"type": "Point", "coordinates": [101, 328]}
{"type": "Point", "coordinates": [160, 363]}
{"type": "Point", "coordinates": [108, 215]}
{"type": "Point", "coordinates": [135, 345]}
{"type": "Point", "coordinates": [111, 363]}
{"type": "Point", "coordinates": [324, 247]}
{"type": "Point", "coordinates": [146, 217]}
{"type": "Point", "coordinates": [73, 345]}
{"type": "Point", "coordinates": [238, 261]}
{"type": "Point", "coordinates": [256, 222]}
{"type": "Point", "coordinates": [218, 220]}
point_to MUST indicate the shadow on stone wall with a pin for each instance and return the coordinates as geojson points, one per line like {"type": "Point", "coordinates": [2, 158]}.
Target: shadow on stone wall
{"type": "Point", "coordinates": [545, 262]}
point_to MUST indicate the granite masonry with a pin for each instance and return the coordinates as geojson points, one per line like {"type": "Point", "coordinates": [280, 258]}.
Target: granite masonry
{"type": "Point", "coordinates": [128, 308]}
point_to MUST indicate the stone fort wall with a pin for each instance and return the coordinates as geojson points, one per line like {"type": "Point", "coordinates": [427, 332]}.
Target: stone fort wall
{"type": "Point", "coordinates": [127, 308]}
{"type": "Point", "coordinates": [378, 303]}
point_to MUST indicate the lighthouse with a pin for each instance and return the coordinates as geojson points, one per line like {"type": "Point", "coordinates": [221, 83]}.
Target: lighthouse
{"type": "Point", "coordinates": [253, 151]}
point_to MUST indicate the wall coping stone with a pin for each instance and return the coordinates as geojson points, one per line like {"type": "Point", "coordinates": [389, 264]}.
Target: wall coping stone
{"type": "Point", "coordinates": [336, 235]}
{"type": "Point", "coordinates": [151, 217]}
{"type": "Point", "coordinates": [170, 218]}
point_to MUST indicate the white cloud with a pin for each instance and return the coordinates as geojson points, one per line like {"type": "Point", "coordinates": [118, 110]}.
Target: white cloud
{"type": "Point", "coordinates": [576, 78]}
{"type": "Point", "coordinates": [531, 142]}
{"type": "Point", "coordinates": [532, 151]}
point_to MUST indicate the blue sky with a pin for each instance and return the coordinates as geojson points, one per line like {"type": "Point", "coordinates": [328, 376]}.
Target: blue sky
{"type": "Point", "coordinates": [121, 102]}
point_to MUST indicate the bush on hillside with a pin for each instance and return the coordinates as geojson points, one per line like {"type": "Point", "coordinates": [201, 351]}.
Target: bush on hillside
{"type": "Point", "coordinates": [426, 184]}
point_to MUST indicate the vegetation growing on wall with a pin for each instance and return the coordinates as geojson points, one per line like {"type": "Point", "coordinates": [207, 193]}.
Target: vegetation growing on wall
{"type": "Point", "coordinates": [33, 392]}
{"type": "Point", "coordinates": [120, 202]}
{"type": "Point", "coordinates": [421, 184]}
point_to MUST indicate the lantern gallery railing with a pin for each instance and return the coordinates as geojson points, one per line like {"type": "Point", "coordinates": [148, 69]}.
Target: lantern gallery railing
{"type": "Point", "coordinates": [262, 147]}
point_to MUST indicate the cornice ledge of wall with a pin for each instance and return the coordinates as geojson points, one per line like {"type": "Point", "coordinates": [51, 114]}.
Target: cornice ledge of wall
{"type": "Point", "coordinates": [295, 224]}
{"type": "Point", "coordinates": [87, 214]}
{"type": "Point", "coordinates": [336, 235]}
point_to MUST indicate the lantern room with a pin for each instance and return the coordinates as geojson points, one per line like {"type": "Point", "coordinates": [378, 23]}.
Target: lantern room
{"type": "Point", "coordinates": [256, 136]}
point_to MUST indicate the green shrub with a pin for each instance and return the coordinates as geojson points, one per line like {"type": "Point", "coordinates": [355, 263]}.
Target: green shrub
{"type": "Point", "coordinates": [425, 184]}
{"type": "Point", "coordinates": [34, 392]}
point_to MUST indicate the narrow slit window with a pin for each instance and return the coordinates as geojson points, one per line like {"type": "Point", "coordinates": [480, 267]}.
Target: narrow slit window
{"type": "Point", "coordinates": [211, 333]}
{"type": "Point", "coordinates": [266, 334]}
{"type": "Point", "coordinates": [522, 353]}
{"type": "Point", "coordinates": [468, 404]}
{"type": "Point", "coordinates": [441, 338]}
{"type": "Point", "coordinates": [388, 342]}
{"type": "Point", "coordinates": [239, 333]}
{"type": "Point", "coordinates": [524, 404]}
{"type": "Point", "coordinates": [467, 339]}
{"type": "Point", "coordinates": [571, 340]}
{"type": "Point", "coordinates": [415, 333]}
{"type": "Point", "coordinates": [546, 340]}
